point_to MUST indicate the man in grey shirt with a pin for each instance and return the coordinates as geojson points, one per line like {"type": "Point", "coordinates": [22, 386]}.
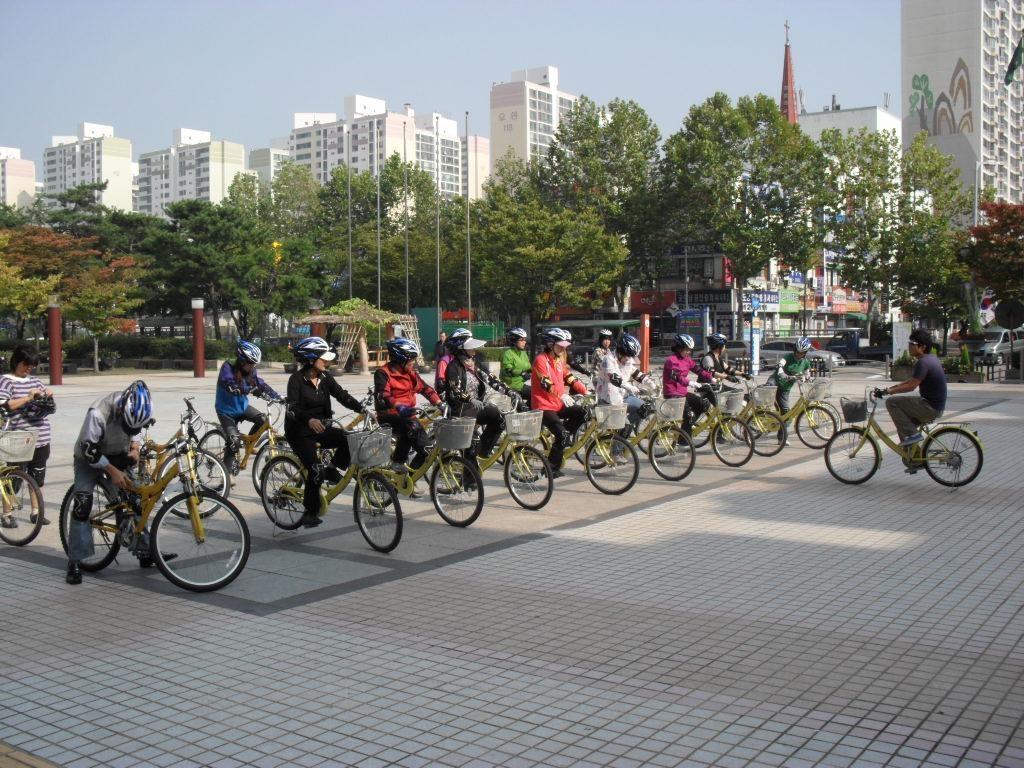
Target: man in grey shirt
{"type": "Point", "coordinates": [911, 411]}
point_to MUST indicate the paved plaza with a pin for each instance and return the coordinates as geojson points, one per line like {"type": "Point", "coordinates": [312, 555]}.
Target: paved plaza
{"type": "Point", "coordinates": [765, 615]}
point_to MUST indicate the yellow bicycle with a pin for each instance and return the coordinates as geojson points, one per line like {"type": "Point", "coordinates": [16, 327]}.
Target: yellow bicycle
{"type": "Point", "coordinates": [21, 501]}
{"type": "Point", "coordinates": [263, 443]}
{"type": "Point", "coordinates": [669, 449]}
{"type": "Point", "coordinates": [813, 422]}
{"type": "Point", "coordinates": [731, 439]}
{"type": "Point", "coordinates": [154, 457]}
{"type": "Point", "coordinates": [528, 474]}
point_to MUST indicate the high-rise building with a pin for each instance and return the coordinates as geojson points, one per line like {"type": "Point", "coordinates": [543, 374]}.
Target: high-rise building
{"type": "Point", "coordinates": [526, 112]}
{"type": "Point", "coordinates": [17, 179]}
{"type": "Point", "coordinates": [955, 54]}
{"type": "Point", "coordinates": [266, 162]}
{"type": "Point", "coordinates": [476, 165]}
{"type": "Point", "coordinates": [93, 155]}
{"type": "Point", "coordinates": [873, 119]}
{"type": "Point", "coordinates": [194, 167]}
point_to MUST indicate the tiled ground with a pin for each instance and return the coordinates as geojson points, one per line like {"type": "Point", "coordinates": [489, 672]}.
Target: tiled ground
{"type": "Point", "coordinates": [762, 616]}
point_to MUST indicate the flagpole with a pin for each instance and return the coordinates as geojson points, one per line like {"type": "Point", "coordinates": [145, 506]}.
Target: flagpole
{"type": "Point", "coordinates": [469, 258]}
{"type": "Point", "coordinates": [348, 195]}
{"type": "Point", "coordinates": [405, 185]}
{"type": "Point", "coordinates": [377, 162]}
{"type": "Point", "coordinates": [437, 178]}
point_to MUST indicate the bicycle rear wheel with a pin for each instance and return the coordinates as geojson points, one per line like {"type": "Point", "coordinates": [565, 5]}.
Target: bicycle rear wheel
{"type": "Point", "coordinates": [852, 456]}
{"type": "Point", "coordinates": [377, 511]}
{"type": "Point", "coordinates": [214, 442]}
{"type": "Point", "coordinates": [204, 560]}
{"type": "Point", "coordinates": [528, 476]}
{"type": "Point", "coordinates": [456, 490]}
{"type": "Point", "coordinates": [611, 463]}
{"type": "Point", "coordinates": [21, 507]}
{"type": "Point", "coordinates": [211, 473]}
{"type": "Point", "coordinates": [671, 452]}
{"type": "Point", "coordinates": [952, 456]}
{"type": "Point", "coordinates": [768, 431]}
{"type": "Point", "coordinates": [102, 522]}
{"type": "Point", "coordinates": [815, 427]}
{"type": "Point", "coordinates": [281, 491]}
{"type": "Point", "coordinates": [732, 442]}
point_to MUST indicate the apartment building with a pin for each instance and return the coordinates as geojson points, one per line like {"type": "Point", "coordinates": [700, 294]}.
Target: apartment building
{"type": "Point", "coordinates": [92, 155]}
{"type": "Point", "coordinates": [17, 179]}
{"type": "Point", "coordinates": [526, 112]}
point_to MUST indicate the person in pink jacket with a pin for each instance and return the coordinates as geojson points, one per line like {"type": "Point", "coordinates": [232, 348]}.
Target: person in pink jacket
{"type": "Point", "coordinates": [676, 378]}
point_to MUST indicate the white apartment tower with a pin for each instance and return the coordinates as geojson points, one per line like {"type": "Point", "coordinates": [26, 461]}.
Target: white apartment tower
{"type": "Point", "coordinates": [874, 119]}
{"type": "Point", "coordinates": [476, 164]}
{"type": "Point", "coordinates": [955, 54]}
{"type": "Point", "coordinates": [194, 167]}
{"type": "Point", "coordinates": [266, 163]}
{"type": "Point", "coordinates": [525, 113]}
{"type": "Point", "coordinates": [17, 179]}
{"type": "Point", "coordinates": [93, 155]}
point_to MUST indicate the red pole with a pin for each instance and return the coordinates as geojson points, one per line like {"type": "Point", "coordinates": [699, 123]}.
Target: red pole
{"type": "Point", "coordinates": [56, 343]}
{"type": "Point", "coordinates": [645, 342]}
{"type": "Point", "coordinates": [318, 329]}
{"type": "Point", "coordinates": [198, 340]}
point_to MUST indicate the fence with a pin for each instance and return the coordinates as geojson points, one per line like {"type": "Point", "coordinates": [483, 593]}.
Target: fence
{"type": "Point", "coordinates": [819, 366]}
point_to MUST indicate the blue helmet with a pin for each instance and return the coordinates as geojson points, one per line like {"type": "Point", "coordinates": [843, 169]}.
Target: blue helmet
{"type": "Point", "coordinates": [402, 350]}
{"type": "Point", "coordinates": [803, 344]}
{"type": "Point", "coordinates": [515, 334]}
{"type": "Point", "coordinates": [248, 352]}
{"type": "Point", "coordinates": [312, 348]}
{"type": "Point", "coordinates": [136, 407]}
{"type": "Point", "coordinates": [716, 340]}
{"type": "Point", "coordinates": [683, 340]}
{"type": "Point", "coordinates": [628, 345]}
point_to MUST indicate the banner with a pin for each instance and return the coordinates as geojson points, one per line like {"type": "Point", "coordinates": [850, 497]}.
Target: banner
{"type": "Point", "coordinates": [768, 301]}
{"type": "Point", "coordinates": [652, 302]}
{"type": "Point", "coordinates": [719, 300]}
{"type": "Point", "coordinates": [691, 321]}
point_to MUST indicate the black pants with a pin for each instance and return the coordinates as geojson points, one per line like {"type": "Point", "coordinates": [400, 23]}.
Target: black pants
{"type": "Point", "coordinates": [408, 433]}
{"type": "Point", "coordinates": [305, 447]}
{"type": "Point", "coordinates": [232, 440]}
{"type": "Point", "coordinates": [695, 406]}
{"type": "Point", "coordinates": [36, 468]}
{"type": "Point", "coordinates": [561, 424]}
{"type": "Point", "coordinates": [487, 416]}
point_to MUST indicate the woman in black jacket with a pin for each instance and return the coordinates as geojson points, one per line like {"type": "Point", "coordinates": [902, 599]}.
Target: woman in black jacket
{"type": "Point", "coordinates": [465, 388]}
{"type": "Point", "coordinates": [308, 421]}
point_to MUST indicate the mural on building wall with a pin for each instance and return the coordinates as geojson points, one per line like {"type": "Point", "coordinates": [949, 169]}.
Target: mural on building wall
{"type": "Point", "coordinates": [950, 112]}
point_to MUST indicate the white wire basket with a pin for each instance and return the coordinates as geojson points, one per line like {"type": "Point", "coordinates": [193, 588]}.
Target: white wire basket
{"type": "Point", "coordinates": [730, 402]}
{"type": "Point", "coordinates": [671, 408]}
{"type": "Point", "coordinates": [610, 416]}
{"type": "Point", "coordinates": [500, 401]}
{"type": "Point", "coordinates": [455, 434]}
{"type": "Point", "coordinates": [370, 448]}
{"type": "Point", "coordinates": [17, 445]}
{"type": "Point", "coordinates": [765, 395]}
{"type": "Point", "coordinates": [523, 427]}
{"type": "Point", "coordinates": [819, 389]}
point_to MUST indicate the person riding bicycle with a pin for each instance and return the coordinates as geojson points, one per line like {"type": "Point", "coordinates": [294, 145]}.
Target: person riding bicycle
{"type": "Point", "coordinates": [515, 364]}
{"type": "Point", "coordinates": [619, 377]}
{"type": "Point", "coordinates": [602, 350]}
{"type": "Point", "coordinates": [714, 370]}
{"type": "Point", "coordinates": [307, 421]}
{"type": "Point", "coordinates": [236, 381]}
{"type": "Point", "coordinates": [107, 446]}
{"type": "Point", "coordinates": [676, 379]}
{"type": "Point", "coordinates": [792, 366]}
{"type": "Point", "coordinates": [395, 387]}
{"type": "Point", "coordinates": [550, 377]}
{"type": "Point", "coordinates": [466, 386]}
{"type": "Point", "coordinates": [911, 411]}
{"type": "Point", "coordinates": [441, 363]}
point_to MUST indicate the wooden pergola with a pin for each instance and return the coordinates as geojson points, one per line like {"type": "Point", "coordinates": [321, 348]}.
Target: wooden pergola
{"type": "Point", "coordinates": [353, 332]}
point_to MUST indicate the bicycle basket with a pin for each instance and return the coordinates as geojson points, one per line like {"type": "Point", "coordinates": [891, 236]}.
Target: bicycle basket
{"type": "Point", "coordinates": [370, 448]}
{"type": "Point", "coordinates": [765, 395]}
{"type": "Point", "coordinates": [610, 416]}
{"type": "Point", "coordinates": [671, 408]}
{"type": "Point", "coordinates": [854, 410]}
{"type": "Point", "coordinates": [819, 389]}
{"type": "Point", "coordinates": [455, 434]}
{"type": "Point", "coordinates": [502, 402]}
{"type": "Point", "coordinates": [523, 427]}
{"type": "Point", "coordinates": [730, 402]}
{"type": "Point", "coordinates": [17, 445]}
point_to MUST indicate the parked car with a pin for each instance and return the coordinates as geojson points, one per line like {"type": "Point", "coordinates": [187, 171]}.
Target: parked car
{"type": "Point", "coordinates": [773, 351]}
{"type": "Point", "coordinates": [997, 344]}
{"type": "Point", "coordinates": [736, 348]}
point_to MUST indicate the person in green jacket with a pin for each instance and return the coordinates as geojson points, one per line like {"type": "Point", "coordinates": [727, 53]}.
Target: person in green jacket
{"type": "Point", "coordinates": [516, 365]}
{"type": "Point", "coordinates": [792, 366]}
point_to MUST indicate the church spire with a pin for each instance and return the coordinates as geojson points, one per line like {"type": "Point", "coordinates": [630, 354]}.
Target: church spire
{"type": "Point", "coordinates": [788, 101]}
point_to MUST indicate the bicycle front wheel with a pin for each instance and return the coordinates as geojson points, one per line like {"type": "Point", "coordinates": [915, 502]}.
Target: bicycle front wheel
{"type": "Point", "coordinates": [201, 555]}
{"type": "Point", "coordinates": [768, 431]}
{"type": "Point", "coordinates": [102, 525]}
{"type": "Point", "coordinates": [21, 507]}
{"type": "Point", "coordinates": [456, 490]}
{"type": "Point", "coordinates": [852, 456]}
{"type": "Point", "coordinates": [815, 427]}
{"type": "Point", "coordinates": [952, 456]}
{"type": "Point", "coordinates": [671, 453]}
{"type": "Point", "coordinates": [263, 456]}
{"type": "Point", "coordinates": [700, 438]}
{"type": "Point", "coordinates": [732, 442]}
{"type": "Point", "coordinates": [281, 491]}
{"type": "Point", "coordinates": [528, 477]}
{"type": "Point", "coordinates": [612, 464]}
{"type": "Point", "coordinates": [377, 511]}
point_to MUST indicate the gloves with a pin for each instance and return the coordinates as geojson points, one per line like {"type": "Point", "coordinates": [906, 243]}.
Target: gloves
{"type": "Point", "coordinates": [405, 411]}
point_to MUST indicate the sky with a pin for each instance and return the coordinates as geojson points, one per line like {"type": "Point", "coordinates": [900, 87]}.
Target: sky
{"type": "Point", "coordinates": [240, 69]}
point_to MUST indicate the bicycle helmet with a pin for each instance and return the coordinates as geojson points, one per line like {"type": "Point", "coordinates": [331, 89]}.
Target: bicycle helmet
{"type": "Point", "coordinates": [457, 337]}
{"type": "Point", "coordinates": [460, 343]}
{"type": "Point", "coordinates": [557, 336]}
{"type": "Point", "coordinates": [628, 345]}
{"type": "Point", "coordinates": [803, 344]}
{"type": "Point", "coordinates": [683, 340]}
{"type": "Point", "coordinates": [136, 407]}
{"type": "Point", "coordinates": [716, 340]}
{"type": "Point", "coordinates": [248, 352]}
{"type": "Point", "coordinates": [515, 334]}
{"type": "Point", "coordinates": [402, 350]}
{"type": "Point", "coordinates": [603, 334]}
{"type": "Point", "coordinates": [313, 348]}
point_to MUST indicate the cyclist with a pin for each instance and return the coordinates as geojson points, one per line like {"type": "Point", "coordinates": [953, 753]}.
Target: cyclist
{"type": "Point", "coordinates": [911, 411]}
{"type": "Point", "coordinates": [515, 365]}
{"type": "Point", "coordinates": [465, 387]}
{"type": "Point", "coordinates": [395, 387]}
{"type": "Point", "coordinates": [308, 421]}
{"type": "Point", "coordinates": [549, 379]}
{"type": "Point", "coordinates": [792, 366]}
{"type": "Point", "coordinates": [234, 384]}
{"type": "Point", "coordinates": [602, 350]}
{"type": "Point", "coordinates": [108, 445]}
{"type": "Point", "coordinates": [27, 403]}
{"type": "Point", "coordinates": [619, 377]}
{"type": "Point", "coordinates": [676, 378]}
{"type": "Point", "coordinates": [714, 369]}
{"type": "Point", "coordinates": [442, 362]}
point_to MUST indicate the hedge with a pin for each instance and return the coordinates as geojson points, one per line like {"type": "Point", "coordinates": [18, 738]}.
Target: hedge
{"type": "Point", "coordinates": [160, 347]}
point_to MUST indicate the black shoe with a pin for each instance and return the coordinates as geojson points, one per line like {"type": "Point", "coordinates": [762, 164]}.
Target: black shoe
{"type": "Point", "coordinates": [556, 473]}
{"type": "Point", "coordinates": [33, 517]}
{"type": "Point", "coordinates": [74, 573]}
{"type": "Point", "coordinates": [146, 561]}
{"type": "Point", "coordinates": [332, 475]}
{"type": "Point", "coordinates": [8, 521]}
{"type": "Point", "coordinates": [309, 521]}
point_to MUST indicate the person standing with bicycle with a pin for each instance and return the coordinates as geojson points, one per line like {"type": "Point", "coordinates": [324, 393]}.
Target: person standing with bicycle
{"type": "Point", "coordinates": [235, 383]}
{"type": "Point", "coordinates": [911, 411]}
{"type": "Point", "coordinates": [308, 421]}
{"type": "Point", "coordinates": [792, 366]}
{"type": "Point", "coordinates": [549, 381]}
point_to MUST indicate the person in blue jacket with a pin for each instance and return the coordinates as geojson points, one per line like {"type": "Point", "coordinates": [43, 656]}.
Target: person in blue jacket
{"type": "Point", "coordinates": [234, 384]}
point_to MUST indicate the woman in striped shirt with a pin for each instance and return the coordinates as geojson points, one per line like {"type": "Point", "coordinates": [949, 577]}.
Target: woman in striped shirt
{"type": "Point", "coordinates": [23, 400]}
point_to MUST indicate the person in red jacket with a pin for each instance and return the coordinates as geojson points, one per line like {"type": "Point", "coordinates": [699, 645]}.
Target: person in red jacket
{"type": "Point", "coordinates": [395, 387]}
{"type": "Point", "coordinates": [551, 378]}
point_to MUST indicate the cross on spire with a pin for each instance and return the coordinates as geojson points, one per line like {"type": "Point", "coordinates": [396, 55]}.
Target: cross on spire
{"type": "Point", "coordinates": [786, 25]}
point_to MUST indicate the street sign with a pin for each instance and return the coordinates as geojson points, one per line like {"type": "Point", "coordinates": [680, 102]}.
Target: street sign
{"type": "Point", "coordinates": [1010, 313]}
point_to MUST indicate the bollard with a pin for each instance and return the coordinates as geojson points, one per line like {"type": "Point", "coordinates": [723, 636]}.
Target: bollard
{"type": "Point", "coordinates": [198, 340]}
{"type": "Point", "coordinates": [53, 325]}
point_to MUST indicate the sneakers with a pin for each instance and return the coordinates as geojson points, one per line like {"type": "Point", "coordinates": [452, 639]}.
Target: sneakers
{"type": "Point", "coordinates": [8, 521]}
{"type": "Point", "coordinates": [417, 490]}
{"type": "Point", "coordinates": [309, 521]}
{"type": "Point", "coordinates": [556, 473]}
{"type": "Point", "coordinates": [917, 437]}
{"type": "Point", "coordinates": [146, 561]}
{"type": "Point", "coordinates": [33, 517]}
{"type": "Point", "coordinates": [74, 575]}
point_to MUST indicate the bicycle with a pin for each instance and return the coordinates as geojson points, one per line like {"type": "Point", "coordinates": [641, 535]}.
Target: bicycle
{"type": "Point", "coordinates": [264, 441]}
{"type": "Point", "coordinates": [21, 500]}
{"type": "Point", "coordinates": [375, 504]}
{"type": "Point", "coordinates": [154, 457]}
{"type": "Point", "coordinates": [669, 449]}
{"type": "Point", "coordinates": [205, 532]}
{"type": "Point", "coordinates": [732, 441]}
{"type": "Point", "coordinates": [527, 473]}
{"type": "Point", "coordinates": [853, 454]}
{"type": "Point", "coordinates": [813, 422]}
